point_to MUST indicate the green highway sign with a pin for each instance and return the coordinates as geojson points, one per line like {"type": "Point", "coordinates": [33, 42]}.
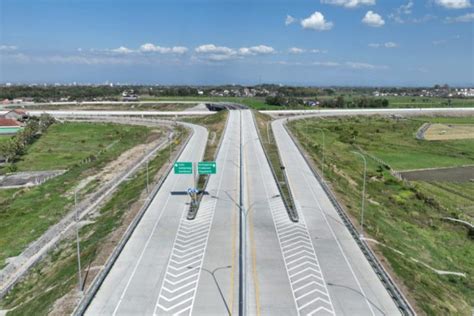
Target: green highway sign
{"type": "Point", "coordinates": [183, 168]}
{"type": "Point", "coordinates": [207, 167]}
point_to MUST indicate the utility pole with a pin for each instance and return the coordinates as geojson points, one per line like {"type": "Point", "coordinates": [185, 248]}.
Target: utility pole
{"type": "Point", "coordinates": [363, 194]}
{"type": "Point", "coordinates": [147, 177]}
{"type": "Point", "coordinates": [268, 133]}
{"type": "Point", "coordinates": [79, 275]}
{"type": "Point", "coordinates": [170, 137]}
{"type": "Point", "coordinates": [322, 159]}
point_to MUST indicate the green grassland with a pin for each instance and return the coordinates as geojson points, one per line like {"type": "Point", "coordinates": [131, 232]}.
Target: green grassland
{"type": "Point", "coordinates": [405, 216]}
{"type": "Point", "coordinates": [258, 103]}
{"type": "Point", "coordinates": [394, 142]}
{"type": "Point", "coordinates": [28, 213]}
{"type": "Point", "coordinates": [67, 144]}
{"type": "Point", "coordinates": [56, 275]}
{"type": "Point", "coordinates": [271, 149]}
{"type": "Point", "coordinates": [215, 124]}
{"type": "Point", "coordinates": [4, 138]}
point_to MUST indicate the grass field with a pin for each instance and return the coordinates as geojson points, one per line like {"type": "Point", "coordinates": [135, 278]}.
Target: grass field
{"type": "Point", "coordinates": [271, 149]}
{"type": "Point", "coordinates": [117, 107]}
{"type": "Point", "coordinates": [394, 102]}
{"type": "Point", "coordinates": [4, 138]}
{"type": "Point", "coordinates": [394, 142]}
{"type": "Point", "coordinates": [27, 215]}
{"type": "Point", "coordinates": [65, 145]}
{"type": "Point", "coordinates": [407, 217]}
{"type": "Point", "coordinates": [439, 131]}
{"type": "Point", "coordinates": [56, 275]}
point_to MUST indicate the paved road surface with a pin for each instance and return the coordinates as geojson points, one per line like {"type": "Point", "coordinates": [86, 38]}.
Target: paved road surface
{"type": "Point", "coordinates": [310, 267]}
{"type": "Point", "coordinates": [353, 285]}
{"type": "Point", "coordinates": [133, 285]}
{"type": "Point", "coordinates": [269, 291]}
{"type": "Point", "coordinates": [223, 244]}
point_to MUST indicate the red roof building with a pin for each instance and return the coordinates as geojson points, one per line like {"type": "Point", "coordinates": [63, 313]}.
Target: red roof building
{"type": "Point", "coordinates": [4, 122]}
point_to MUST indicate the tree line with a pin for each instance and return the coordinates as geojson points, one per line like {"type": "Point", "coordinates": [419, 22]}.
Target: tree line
{"type": "Point", "coordinates": [339, 102]}
{"type": "Point", "coordinates": [16, 145]}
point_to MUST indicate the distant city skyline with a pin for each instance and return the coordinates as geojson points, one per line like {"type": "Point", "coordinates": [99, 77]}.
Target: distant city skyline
{"type": "Point", "coordinates": [194, 42]}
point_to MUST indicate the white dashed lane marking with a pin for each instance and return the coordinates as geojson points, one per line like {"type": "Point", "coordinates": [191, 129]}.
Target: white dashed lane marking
{"type": "Point", "coordinates": [181, 279]}
{"type": "Point", "coordinates": [304, 273]}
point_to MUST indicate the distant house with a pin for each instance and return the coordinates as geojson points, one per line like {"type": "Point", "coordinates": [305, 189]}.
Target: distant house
{"type": "Point", "coordinates": [312, 103]}
{"type": "Point", "coordinates": [9, 126]}
{"type": "Point", "coordinates": [129, 96]}
{"type": "Point", "coordinates": [18, 115]}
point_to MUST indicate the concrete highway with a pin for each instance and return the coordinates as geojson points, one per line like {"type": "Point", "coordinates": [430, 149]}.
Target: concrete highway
{"type": "Point", "coordinates": [353, 286]}
{"type": "Point", "coordinates": [133, 285]}
{"type": "Point", "coordinates": [221, 254]}
{"type": "Point", "coordinates": [172, 265]}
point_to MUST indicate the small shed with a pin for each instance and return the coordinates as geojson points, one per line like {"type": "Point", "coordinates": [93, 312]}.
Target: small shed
{"type": "Point", "coordinates": [16, 114]}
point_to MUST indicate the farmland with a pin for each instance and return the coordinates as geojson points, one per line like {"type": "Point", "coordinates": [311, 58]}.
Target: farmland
{"type": "Point", "coordinates": [26, 213]}
{"type": "Point", "coordinates": [405, 216]}
{"type": "Point", "coordinates": [439, 131]}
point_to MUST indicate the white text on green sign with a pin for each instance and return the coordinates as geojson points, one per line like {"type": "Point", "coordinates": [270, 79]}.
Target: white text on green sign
{"type": "Point", "coordinates": [183, 167]}
{"type": "Point", "coordinates": [207, 167]}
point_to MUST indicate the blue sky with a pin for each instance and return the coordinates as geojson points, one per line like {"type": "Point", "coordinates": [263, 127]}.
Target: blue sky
{"type": "Point", "coordinates": [299, 42]}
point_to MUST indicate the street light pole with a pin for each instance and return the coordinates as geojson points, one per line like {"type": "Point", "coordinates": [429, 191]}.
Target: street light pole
{"type": "Point", "coordinates": [170, 137]}
{"type": "Point", "coordinates": [322, 159]}
{"type": "Point", "coordinates": [363, 194]}
{"type": "Point", "coordinates": [147, 179]}
{"type": "Point", "coordinates": [79, 275]}
{"type": "Point", "coordinates": [213, 274]}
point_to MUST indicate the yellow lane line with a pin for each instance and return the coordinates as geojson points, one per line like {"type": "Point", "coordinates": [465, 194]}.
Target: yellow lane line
{"type": "Point", "coordinates": [253, 247]}
{"type": "Point", "coordinates": [234, 233]}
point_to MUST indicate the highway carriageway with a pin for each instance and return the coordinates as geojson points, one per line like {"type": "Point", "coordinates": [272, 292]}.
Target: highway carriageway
{"type": "Point", "coordinates": [325, 112]}
{"type": "Point", "coordinates": [242, 254]}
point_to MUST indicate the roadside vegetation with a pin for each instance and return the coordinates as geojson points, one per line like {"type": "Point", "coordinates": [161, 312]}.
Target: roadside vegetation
{"type": "Point", "coordinates": [81, 148]}
{"type": "Point", "coordinates": [51, 286]}
{"type": "Point", "coordinates": [406, 218]}
{"type": "Point", "coordinates": [16, 145]}
{"type": "Point", "coordinates": [269, 145]}
{"type": "Point", "coordinates": [215, 124]}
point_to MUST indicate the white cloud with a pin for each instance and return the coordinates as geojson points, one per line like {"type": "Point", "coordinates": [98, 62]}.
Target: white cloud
{"type": "Point", "coordinates": [319, 51]}
{"type": "Point", "coordinates": [75, 59]}
{"type": "Point", "coordinates": [386, 45]}
{"type": "Point", "coordinates": [256, 50]}
{"type": "Point", "coordinates": [364, 66]}
{"type": "Point", "coordinates": [296, 50]}
{"type": "Point", "coordinates": [326, 64]}
{"type": "Point", "coordinates": [213, 49]}
{"type": "Point", "coordinates": [122, 50]}
{"type": "Point", "coordinates": [289, 20]}
{"type": "Point", "coordinates": [439, 42]}
{"type": "Point", "coordinates": [150, 48]}
{"type": "Point", "coordinates": [316, 22]}
{"type": "Point", "coordinates": [454, 4]}
{"type": "Point", "coordinates": [373, 19]}
{"type": "Point", "coordinates": [349, 3]}
{"type": "Point", "coordinates": [401, 11]}
{"type": "Point", "coordinates": [466, 18]}
{"type": "Point", "coordinates": [390, 45]}
{"type": "Point", "coordinates": [8, 48]}
{"type": "Point", "coordinates": [220, 53]}
{"type": "Point", "coordinates": [423, 19]}
{"type": "Point", "coordinates": [406, 8]}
